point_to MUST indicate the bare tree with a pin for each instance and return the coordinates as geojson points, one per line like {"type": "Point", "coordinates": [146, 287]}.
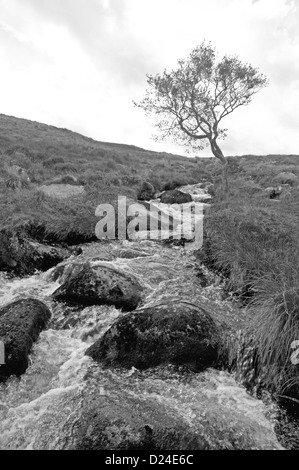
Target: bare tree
{"type": "Point", "coordinates": [191, 101]}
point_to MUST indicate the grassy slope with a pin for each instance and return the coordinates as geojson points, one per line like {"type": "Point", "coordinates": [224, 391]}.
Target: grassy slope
{"type": "Point", "coordinates": [106, 170]}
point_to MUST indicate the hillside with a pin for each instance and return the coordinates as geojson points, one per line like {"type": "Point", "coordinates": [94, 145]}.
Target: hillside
{"type": "Point", "coordinates": [51, 140]}
{"type": "Point", "coordinates": [44, 136]}
{"type": "Point", "coordinates": [51, 155]}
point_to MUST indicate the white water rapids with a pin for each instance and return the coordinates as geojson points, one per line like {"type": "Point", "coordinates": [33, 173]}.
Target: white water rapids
{"type": "Point", "coordinates": [40, 410]}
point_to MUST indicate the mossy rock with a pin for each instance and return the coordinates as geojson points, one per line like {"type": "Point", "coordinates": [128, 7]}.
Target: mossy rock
{"type": "Point", "coordinates": [146, 192]}
{"type": "Point", "coordinates": [22, 256]}
{"type": "Point", "coordinates": [129, 423]}
{"type": "Point", "coordinates": [175, 197]}
{"type": "Point", "coordinates": [20, 325]}
{"type": "Point", "coordinates": [100, 284]}
{"type": "Point", "coordinates": [174, 333]}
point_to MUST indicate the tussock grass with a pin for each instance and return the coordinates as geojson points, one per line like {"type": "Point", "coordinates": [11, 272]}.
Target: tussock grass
{"type": "Point", "coordinates": [245, 243]}
{"type": "Point", "coordinates": [275, 325]}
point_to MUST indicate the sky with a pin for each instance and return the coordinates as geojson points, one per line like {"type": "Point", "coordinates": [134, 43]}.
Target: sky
{"type": "Point", "coordinates": [79, 64]}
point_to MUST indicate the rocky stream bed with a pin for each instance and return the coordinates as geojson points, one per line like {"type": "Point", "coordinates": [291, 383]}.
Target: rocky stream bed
{"type": "Point", "coordinates": [131, 356]}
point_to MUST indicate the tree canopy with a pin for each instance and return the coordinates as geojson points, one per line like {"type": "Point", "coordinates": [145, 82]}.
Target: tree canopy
{"type": "Point", "coordinates": [191, 101]}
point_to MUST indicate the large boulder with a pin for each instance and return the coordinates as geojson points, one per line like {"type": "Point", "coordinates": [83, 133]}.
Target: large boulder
{"type": "Point", "coordinates": [23, 256]}
{"type": "Point", "coordinates": [175, 197]}
{"type": "Point", "coordinates": [146, 192]}
{"type": "Point", "coordinates": [176, 332]}
{"type": "Point", "coordinates": [127, 422]}
{"type": "Point", "coordinates": [99, 284]}
{"type": "Point", "coordinates": [163, 410]}
{"type": "Point", "coordinates": [20, 325]}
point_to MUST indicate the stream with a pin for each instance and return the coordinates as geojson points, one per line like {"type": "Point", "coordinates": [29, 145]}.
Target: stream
{"type": "Point", "coordinates": [41, 410]}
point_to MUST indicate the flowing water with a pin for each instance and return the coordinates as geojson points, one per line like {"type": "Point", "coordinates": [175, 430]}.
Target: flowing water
{"type": "Point", "coordinates": [40, 411]}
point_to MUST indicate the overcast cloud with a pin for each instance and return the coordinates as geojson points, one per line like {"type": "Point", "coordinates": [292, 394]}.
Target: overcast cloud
{"type": "Point", "coordinates": [80, 63]}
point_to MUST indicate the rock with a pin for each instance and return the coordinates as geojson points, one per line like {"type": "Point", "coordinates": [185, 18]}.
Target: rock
{"type": "Point", "coordinates": [164, 409]}
{"type": "Point", "coordinates": [99, 284]}
{"type": "Point", "coordinates": [23, 256]}
{"type": "Point", "coordinates": [146, 192]}
{"type": "Point", "coordinates": [175, 197]}
{"type": "Point", "coordinates": [129, 423]}
{"type": "Point", "coordinates": [286, 178]}
{"type": "Point", "coordinates": [176, 333]}
{"type": "Point", "coordinates": [273, 193]}
{"type": "Point", "coordinates": [62, 191]}
{"type": "Point", "coordinates": [20, 325]}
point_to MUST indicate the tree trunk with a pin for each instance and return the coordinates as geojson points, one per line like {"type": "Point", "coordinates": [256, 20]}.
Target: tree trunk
{"type": "Point", "coordinates": [217, 152]}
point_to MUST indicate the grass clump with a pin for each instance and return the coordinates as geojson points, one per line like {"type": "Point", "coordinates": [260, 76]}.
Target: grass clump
{"type": "Point", "coordinates": [275, 326]}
